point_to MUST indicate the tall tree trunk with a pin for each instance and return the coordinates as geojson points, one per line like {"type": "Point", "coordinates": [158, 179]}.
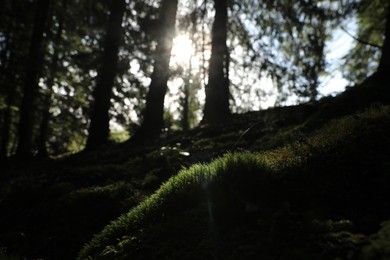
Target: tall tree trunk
{"type": "Point", "coordinates": [30, 90]}
{"type": "Point", "coordinates": [384, 64]}
{"type": "Point", "coordinates": [217, 90]}
{"type": "Point", "coordinates": [185, 121]}
{"type": "Point", "coordinates": [203, 10]}
{"type": "Point", "coordinates": [7, 120]}
{"type": "Point", "coordinates": [153, 116]}
{"type": "Point", "coordinates": [185, 124]}
{"type": "Point", "coordinates": [44, 127]}
{"type": "Point", "coordinates": [99, 127]}
{"type": "Point", "coordinates": [6, 80]}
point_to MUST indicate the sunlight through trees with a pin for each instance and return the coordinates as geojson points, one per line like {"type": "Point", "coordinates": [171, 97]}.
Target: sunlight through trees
{"type": "Point", "coordinates": [165, 74]}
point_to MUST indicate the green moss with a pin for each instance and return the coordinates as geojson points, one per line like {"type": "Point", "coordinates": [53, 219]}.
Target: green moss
{"type": "Point", "coordinates": [178, 193]}
{"type": "Point", "coordinates": [120, 190]}
{"type": "Point", "coordinates": [4, 256]}
{"type": "Point", "coordinates": [379, 246]}
{"type": "Point", "coordinates": [119, 136]}
{"type": "Point", "coordinates": [234, 184]}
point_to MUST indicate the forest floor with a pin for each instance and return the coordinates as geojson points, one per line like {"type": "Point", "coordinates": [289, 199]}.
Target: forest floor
{"type": "Point", "coordinates": [310, 181]}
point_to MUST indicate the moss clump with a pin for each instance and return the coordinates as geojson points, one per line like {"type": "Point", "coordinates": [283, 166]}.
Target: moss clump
{"type": "Point", "coordinates": [179, 193]}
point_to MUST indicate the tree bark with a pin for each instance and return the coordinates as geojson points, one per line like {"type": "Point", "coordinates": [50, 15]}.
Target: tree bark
{"type": "Point", "coordinates": [44, 127]}
{"type": "Point", "coordinates": [185, 120]}
{"type": "Point", "coordinates": [99, 126]}
{"type": "Point", "coordinates": [7, 120]}
{"type": "Point", "coordinates": [384, 64]}
{"type": "Point", "coordinates": [185, 124]}
{"type": "Point", "coordinates": [10, 92]}
{"type": "Point", "coordinates": [153, 115]}
{"type": "Point", "coordinates": [30, 90]}
{"type": "Point", "coordinates": [217, 90]}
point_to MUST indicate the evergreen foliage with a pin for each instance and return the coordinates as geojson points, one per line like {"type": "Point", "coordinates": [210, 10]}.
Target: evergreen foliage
{"type": "Point", "coordinates": [364, 57]}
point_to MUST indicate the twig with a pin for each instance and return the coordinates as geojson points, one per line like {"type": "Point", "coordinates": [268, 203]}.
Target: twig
{"type": "Point", "coordinates": [360, 40]}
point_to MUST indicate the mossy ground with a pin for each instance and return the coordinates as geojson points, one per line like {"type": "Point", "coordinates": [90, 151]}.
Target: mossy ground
{"type": "Point", "coordinates": [307, 199]}
{"type": "Point", "coordinates": [302, 182]}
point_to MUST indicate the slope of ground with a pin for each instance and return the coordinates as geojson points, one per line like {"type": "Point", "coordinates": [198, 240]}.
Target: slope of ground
{"type": "Point", "coordinates": [321, 193]}
{"type": "Point", "coordinates": [318, 197]}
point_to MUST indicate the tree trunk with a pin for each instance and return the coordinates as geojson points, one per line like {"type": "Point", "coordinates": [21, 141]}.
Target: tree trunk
{"type": "Point", "coordinates": [30, 90]}
{"type": "Point", "coordinates": [153, 116]}
{"type": "Point", "coordinates": [185, 121]}
{"type": "Point", "coordinates": [44, 127]}
{"type": "Point", "coordinates": [217, 90]}
{"type": "Point", "coordinates": [10, 92]}
{"type": "Point", "coordinates": [384, 64]}
{"type": "Point", "coordinates": [7, 120]}
{"type": "Point", "coordinates": [99, 127]}
{"type": "Point", "coordinates": [185, 124]}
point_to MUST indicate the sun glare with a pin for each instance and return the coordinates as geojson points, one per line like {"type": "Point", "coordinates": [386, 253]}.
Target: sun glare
{"type": "Point", "coordinates": [181, 50]}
